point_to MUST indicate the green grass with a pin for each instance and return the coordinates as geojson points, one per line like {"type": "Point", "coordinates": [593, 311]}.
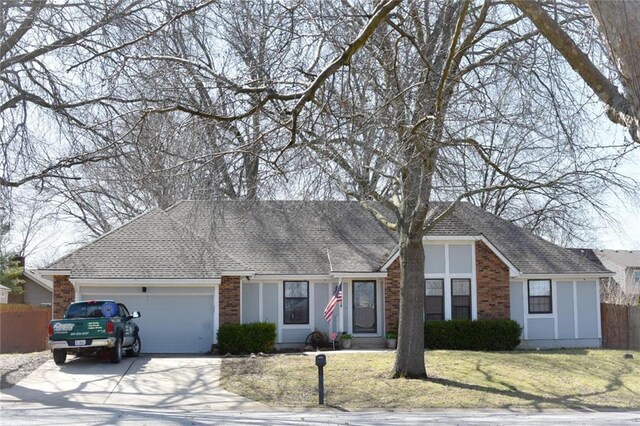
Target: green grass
{"type": "Point", "coordinates": [457, 379]}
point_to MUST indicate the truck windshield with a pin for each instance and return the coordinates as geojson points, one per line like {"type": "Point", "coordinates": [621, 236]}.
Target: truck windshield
{"type": "Point", "coordinates": [85, 310]}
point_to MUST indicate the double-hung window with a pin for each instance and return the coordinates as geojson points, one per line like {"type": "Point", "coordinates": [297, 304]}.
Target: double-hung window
{"type": "Point", "coordinates": [433, 299]}
{"type": "Point", "coordinates": [296, 302]}
{"type": "Point", "coordinates": [540, 297]}
{"type": "Point", "coordinates": [461, 298]}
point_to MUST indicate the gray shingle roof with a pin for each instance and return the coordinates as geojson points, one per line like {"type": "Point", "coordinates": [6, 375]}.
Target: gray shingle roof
{"type": "Point", "coordinates": [202, 239]}
{"type": "Point", "coordinates": [527, 252]}
{"type": "Point", "coordinates": [291, 237]}
{"type": "Point", "coordinates": [626, 258]}
{"type": "Point", "coordinates": [150, 246]}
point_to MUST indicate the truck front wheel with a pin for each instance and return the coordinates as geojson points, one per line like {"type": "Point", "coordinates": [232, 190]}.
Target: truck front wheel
{"type": "Point", "coordinates": [116, 351]}
{"type": "Point", "coordinates": [59, 356]}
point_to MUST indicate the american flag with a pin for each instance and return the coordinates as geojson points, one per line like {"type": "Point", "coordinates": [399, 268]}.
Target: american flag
{"type": "Point", "coordinates": [333, 302]}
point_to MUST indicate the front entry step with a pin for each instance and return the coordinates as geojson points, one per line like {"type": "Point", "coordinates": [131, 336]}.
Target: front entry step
{"type": "Point", "coordinates": [368, 343]}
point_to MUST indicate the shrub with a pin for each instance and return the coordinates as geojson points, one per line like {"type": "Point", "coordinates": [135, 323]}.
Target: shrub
{"type": "Point", "coordinates": [247, 338]}
{"type": "Point", "coordinates": [480, 335]}
{"type": "Point", "coordinates": [345, 336]}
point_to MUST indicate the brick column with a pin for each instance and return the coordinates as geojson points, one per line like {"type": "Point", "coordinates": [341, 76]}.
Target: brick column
{"type": "Point", "coordinates": [392, 296]}
{"type": "Point", "coordinates": [492, 278]}
{"type": "Point", "coordinates": [63, 295]}
{"type": "Point", "coordinates": [229, 300]}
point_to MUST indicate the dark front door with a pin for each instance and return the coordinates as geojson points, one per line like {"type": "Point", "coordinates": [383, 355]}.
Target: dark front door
{"type": "Point", "coordinates": [364, 307]}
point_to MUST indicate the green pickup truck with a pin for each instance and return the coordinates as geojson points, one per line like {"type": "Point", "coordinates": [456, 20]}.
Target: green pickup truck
{"type": "Point", "coordinates": [93, 326]}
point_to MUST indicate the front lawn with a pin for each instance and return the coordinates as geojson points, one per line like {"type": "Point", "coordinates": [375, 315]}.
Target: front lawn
{"type": "Point", "coordinates": [535, 379]}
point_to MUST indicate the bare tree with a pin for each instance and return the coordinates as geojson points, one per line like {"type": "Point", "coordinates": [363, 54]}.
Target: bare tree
{"type": "Point", "coordinates": [388, 99]}
{"type": "Point", "coordinates": [450, 101]}
{"type": "Point", "coordinates": [619, 23]}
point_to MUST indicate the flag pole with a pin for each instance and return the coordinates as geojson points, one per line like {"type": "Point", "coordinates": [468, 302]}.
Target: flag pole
{"type": "Point", "coordinates": [333, 341]}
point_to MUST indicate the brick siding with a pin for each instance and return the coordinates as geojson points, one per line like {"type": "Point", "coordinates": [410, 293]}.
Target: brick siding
{"type": "Point", "coordinates": [230, 300]}
{"type": "Point", "coordinates": [492, 277]}
{"type": "Point", "coordinates": [392, 296]}
{"type": "Point", "coordinates": [63, 295]}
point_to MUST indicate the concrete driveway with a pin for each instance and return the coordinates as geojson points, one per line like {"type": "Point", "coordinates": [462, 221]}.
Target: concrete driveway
{"type": "Point", "coordinates": [162, 382]}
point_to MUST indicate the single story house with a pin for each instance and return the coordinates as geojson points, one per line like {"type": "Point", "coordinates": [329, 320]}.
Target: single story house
{"type": "Point", "coordinates": [199, 264]}
{"type": "Point", "coordinates": [625, 264]}
{"type": "Point", "coordinates": [37, 290]}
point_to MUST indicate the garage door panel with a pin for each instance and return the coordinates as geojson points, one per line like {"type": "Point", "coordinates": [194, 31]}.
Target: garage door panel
{"type": "Point", "coordinates": [170, 323]}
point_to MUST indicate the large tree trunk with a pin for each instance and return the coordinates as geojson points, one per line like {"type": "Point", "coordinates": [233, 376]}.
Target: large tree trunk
{"type": "Point", "coordinates": [410, 353]}
{"type": "Point", "coordinates": [619, 23]}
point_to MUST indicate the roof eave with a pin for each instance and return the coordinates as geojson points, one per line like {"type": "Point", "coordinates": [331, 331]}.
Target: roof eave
{"type": "Point", "coordinates": [554, 275]}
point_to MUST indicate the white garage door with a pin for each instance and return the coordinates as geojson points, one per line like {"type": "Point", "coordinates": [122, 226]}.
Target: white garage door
{"type": "Point", "coordinates": [170, 323]}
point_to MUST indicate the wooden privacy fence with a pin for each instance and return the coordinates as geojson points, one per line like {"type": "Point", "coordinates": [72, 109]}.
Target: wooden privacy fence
{"type": "Point", "coordinates": [23, 328]}
{"type": "Point", "coordinates": [620, 326]}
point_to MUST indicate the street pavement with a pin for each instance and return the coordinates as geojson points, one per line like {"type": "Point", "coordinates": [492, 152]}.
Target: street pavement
{"type": "Point", "coordinates": [119, 415]}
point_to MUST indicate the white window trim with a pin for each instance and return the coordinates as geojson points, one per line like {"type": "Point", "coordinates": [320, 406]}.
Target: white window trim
{"type": "Point", "coordinates": [576, 327]}
{"type": "Point", "coordinates": [554, 297]}
{"type": "Point", "coordinates": [554, 307]}
{"type": "Point", "coordinates": [597, 310]}
{"type": "Point", "coordinates": [447, 276]}
{"type": "Point", "coordinates": [311, 323]}
{"type": "Point", "coordinates": [216, 312]}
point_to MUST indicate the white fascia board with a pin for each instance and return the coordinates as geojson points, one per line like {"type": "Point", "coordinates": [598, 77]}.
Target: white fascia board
{"type": "Point", "coordinates": [291, 277]}
{"type": "Point", "coordinates": [359, 274]}
{"type": "Point", "coordinates": [448, 238]}
{"type": "Point", "coordinates": [52, 272]}
{"type": "Point", "coordinates": [513, 271]}
{"type": "Point", "coordinates": [238, 273]}
{"type": "Point", "coordinates": [394, 255]}
{"type": "Point", "coordinates": [566, 277]}
{"type": "Point", "coordinates": [147, 282]}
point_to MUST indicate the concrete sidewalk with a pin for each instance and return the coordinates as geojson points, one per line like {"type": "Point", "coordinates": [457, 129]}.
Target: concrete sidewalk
{"type": "Point", "coordinates": [162, 382]}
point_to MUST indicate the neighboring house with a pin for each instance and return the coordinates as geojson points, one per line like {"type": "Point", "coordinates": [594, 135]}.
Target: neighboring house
{"type": "Point", "coordinates": [38, 290]}
{"type": "Point", "coordinates": [4, 294]}
{"type": "Point", "coordinates": [625, 264]}
{"type": "Point", "coordinates": [199, 264]}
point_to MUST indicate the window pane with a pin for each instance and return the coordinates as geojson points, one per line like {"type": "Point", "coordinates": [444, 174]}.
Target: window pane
{"type": "Point", "coordinates": [296, 289]}
{"type": "Point", "coordinates": [539, 304]}
{"type": "Point", "coordinates": [434, 308]}
{"type": "Point", "coordinates": [540, 288]}
{"type": "Point", "coordinates": [461, 307]}
{"type": "Point", "coordinates": [434, 287]}
{"type": "Point", "coordinates": [540, 296]}
{"type": "Point", "coordinates": [296, 311]}
{"type": "Point", "coordinates": [461, 298]}
{"type": "Point", "coordinates": [461, 287]}
{"type": "Point", "coordinates": [296, 302]}
{"type": "Point", "coordinates": [434, 299]}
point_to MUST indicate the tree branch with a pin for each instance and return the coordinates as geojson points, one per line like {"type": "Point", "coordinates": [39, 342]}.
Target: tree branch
{"type": "Point", "coordinates": [620, 109]}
